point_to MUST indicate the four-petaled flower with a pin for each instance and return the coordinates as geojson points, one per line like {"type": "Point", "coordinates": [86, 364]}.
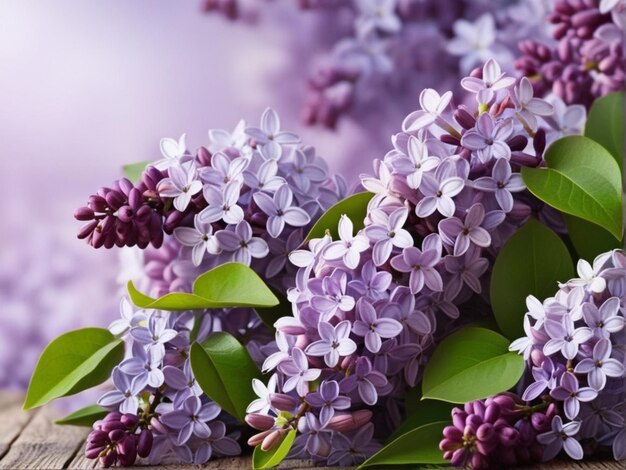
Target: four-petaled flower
{"type": "Point", "coordinates": [269, 134]}
{"type": "Point", "coordinates": [571, 394]}
{"type": "Point", "coordinates": [280, 211]}
{"type": "Point", "coordinates": [145, 366]}
{"type": "Point", "coordinates": [527, 106]}
{"type": "Point", "coordinates": [262, 404]}
{"type": "Point", "coordinates": [181, 184]}
{"type": "Point", "coordinates": [242, 244]}
{"type": "Point", "coordinates": [600, 365]}
{"type": "Point", "coordinates": [604, 320]}
{"type": "Point", "coordinates": [561, 437]}
{"type": "Point", "coordinates": [416, 163]}
{"type": "Point", "coordinates": [172, 151]}
{"type": "Point", "coordinates": [327, 399]}
{"type": "Point", "coordinates": [564, 337]}
{"type": "Point", "coordinates": [386, 232]}
{"type": "Point", "coordinates": [502, 183]}
{"type": "Point", "coordinates": [223, 170]}
{"type": "Point", "coordinates": [432, 104]}
{"type": "Point", "coordinates": [299, 373]}
{"type": "Point", "coordinates": [200, 238]}
{"type": "Point", "coordinates": [350, 247]}
{"type": "Point", "coordinates": [190, 419]}
{"type": "Point", "coordinates": [124, 397]}
{"type": "Point", "coordinates": [365, 380]}
{"type": "Point", "coordinates": [488, 139]}
{"type": "Point", "coordinates": [462, 234]}
{"type": "Point", "coordinates": [335, 342]}
{"type": "Point", "coordinates": [422, 266]}
{"type": "Point", "coordinates": [222, 204]}
{"type": "Point", "coordinates": [374, 327]}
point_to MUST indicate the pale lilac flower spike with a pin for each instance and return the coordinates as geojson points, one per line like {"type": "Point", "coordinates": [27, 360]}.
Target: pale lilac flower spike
{"type": "Point", "coordinates": [200, 238]}
{"type": "Point", "coordinates": [181, 184]}
{"type": "Point", "coordinates": [269, 134]}
{"type": "Point", "coordinates": [335, 342]}
{"type": "Point", "coordinates": [350, 247]}
{"type": "Point", "coordinates": [561, 437]}
{"type": "Point", "coordinates": [600, 365]}
{"type": "Point", "coordinates": [280, 211]}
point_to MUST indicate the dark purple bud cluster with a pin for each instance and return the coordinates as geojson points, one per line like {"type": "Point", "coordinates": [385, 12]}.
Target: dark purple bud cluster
{"type": "Point", "coordinates": [587, 59]}
{"type": "Point", "coordinates": [118, 439]}
{"type": "Point", "coordinates": [125, 214]}
{"type": "Point", "coordinates": [499, 432]}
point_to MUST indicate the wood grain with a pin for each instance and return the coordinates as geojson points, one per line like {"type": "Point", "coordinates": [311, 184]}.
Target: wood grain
{"type": "Point", "coordinates": [33, 441]}
{"type": "Point", "coordinates": [43, 444]}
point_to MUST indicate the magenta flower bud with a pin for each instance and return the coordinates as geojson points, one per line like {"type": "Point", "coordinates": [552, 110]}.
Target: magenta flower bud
{"type": "Point", "coordinates": [504, 402]}
{"type": "Point", "coordinates": [485, 432]}
{"type": "Point", "coordinates": [83, 213]}
{"type": "Point", "coordinates": [537, 357]}
{"type": "Point", "coordinates": [520, 210]}
{"type": "Point", "coordinates": [509, 436]}
{"type": "Point", "coordinates": [93, 452]}
{"type": "Point", "coordinates": [453, 432]}
{"type": "Point", "coordinates": [458, 418]}
{"type": "Point", "coordinates": [129, 420]}
{"type": "Point", "coordinates": [460, 457]}
{"type": "Point", "coordinates": [479, 461]}
{"type": "Point", "coordinates": [448, 444]}
{"type": "Point", "coordinates": [259, 421]}
{"type": "Point", "coordinates": [203, 156]}
{"type": "Point", "coordinates": [540, 422]}
{"type": "Point", "coordinates": [109, 426]}
{"type": "Point", "coordinates": [109, 460]}
{"type": "Point", "coordinates": [283, 402]}
{"type": "Point", "coordinates": [258, 438]}
{"type": "Point", "coordinates": [273, 439]}
{"type": "Point", "coordinates": [464, 118]}
{"type": "Point", "coordinates": [472, 422]}
{"type": "Point", "coordinates": [144, 443]}
{"type": "Point", "coordinates": [115, 199]}
{"type": "Point", "coordinates": [525, 429]}
{"type": "Point", "coordinates": [517, 143]}
{"type": "Point", "coordinates": [127, 446]}
{"type": "Point", "coordinates": [158, 426]}
{"type": "Point", "coordinates": [349, 421]}
{"type": "Point", "coordinates": [117, 435]}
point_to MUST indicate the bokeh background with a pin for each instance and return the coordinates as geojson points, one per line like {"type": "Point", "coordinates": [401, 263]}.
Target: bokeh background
{"type": "Point", "coordinates": [88, 86]}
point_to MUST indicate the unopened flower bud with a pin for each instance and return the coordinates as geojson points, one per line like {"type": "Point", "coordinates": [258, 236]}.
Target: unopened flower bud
{"type": "Point", "coordinates": [259, 421]}
{"type": "Point", "coordinates": [349, 421]}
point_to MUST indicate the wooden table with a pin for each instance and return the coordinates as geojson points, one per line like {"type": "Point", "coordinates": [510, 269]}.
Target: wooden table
{"type": "Point", "coordinates": [30, 440]}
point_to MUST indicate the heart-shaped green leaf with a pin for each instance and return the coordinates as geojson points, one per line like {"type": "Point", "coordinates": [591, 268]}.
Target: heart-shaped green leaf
{"type": "Point", "coordinates": [471, 364]}
{"type": "Point", "coordinates": [531, 262]}
{"type": "Point", "coordinates": [418, 446]}
{"type": "Point", "coordinates": [133, 171]}
{"type": "Point", "coordinates": [582, 179]}
{"type": "Point", "coordinates": [589, 239]}
{"type": "Point", "coordinates": [84, 417]}
{"type": "Point", "coordinates": [73, 362]}
{"type": "Point", "coordinates": [271, 458]}
{"type": "Point", "coordinates": [228, 285]}
{"type": "Point", "coordinates": [355, 207]}
{"type": "Point", "coordinates": [224, 371]}
{"type": "Point", "coordinates": [605, 124]}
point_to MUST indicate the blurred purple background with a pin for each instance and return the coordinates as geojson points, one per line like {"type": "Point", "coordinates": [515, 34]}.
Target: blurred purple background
{"type": "Point", "coordinates": [89, 86]}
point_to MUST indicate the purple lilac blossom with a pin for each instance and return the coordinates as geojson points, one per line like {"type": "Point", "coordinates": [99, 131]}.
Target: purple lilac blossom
{"type": "Point", "coordinates": [426, 249]}
{"type": "Point", "coordinates": [584, 59]}
{"type": "Point", "coordinates": [574, 347]}
{"type": "Point", "coordinates": [155, 382]}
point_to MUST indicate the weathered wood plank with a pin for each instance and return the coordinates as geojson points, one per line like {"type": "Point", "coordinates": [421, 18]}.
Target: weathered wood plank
{"type": "Point", "coordinates": [43, 444]}
{"type": "Point", "coordinates": [12, 419]}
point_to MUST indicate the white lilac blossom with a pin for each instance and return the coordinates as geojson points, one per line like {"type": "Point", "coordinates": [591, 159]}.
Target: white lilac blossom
{"type": "Point", "coordinates": [575, 348]}
{"type": "Point", "coordinates": [369, 307]}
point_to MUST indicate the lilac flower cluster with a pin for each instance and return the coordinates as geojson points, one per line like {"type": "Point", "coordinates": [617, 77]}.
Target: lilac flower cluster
{"type": "Point", "coordinates": [585, 60]}
{"type": "Point", "coordinates": [499, 432]}
{"type": "Point", "coordinates": [369, 306]}
{"type": "Point", "coordinates": [248, 197]}
{"type": "Point", "coordinates": [365, 46]}
{"type": "Point", "coordinates": [157, 408]}
{"type": "Point", "coordinates": [575, 351]}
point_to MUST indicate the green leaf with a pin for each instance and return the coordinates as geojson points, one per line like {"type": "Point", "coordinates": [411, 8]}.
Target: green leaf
{"type": "Point", "coordinates": [582, 179]}
{"type": "Point", "coordinates": [224, 371]}
{"type": "Point", "coordinates": [531, 262]}
{"type": "Point", "coordinates": [84, 417]}
{"type": "Point", "coordinates": [589, 239]}
{"type": "Point", "coordinates": [471, 364]}
{"type": "Point", "coordinates": [133, 171]}
{"type": "Point", "coordinates": [228, 285]}
{"type": "Point", "coordinates": [269, 316]}
{"type": "Point", "coordinates": [422, 412]}
{"type": "Point", "coordinates": [418, 446]}
{"type": "Point", "coordinates": [605, 124]}
{"type": "Point", "coordinates": [271, 458]}
{"type": "Point", "coordinates": [355, 207]}
{"type": "Point", "coordinates": [73, 362]}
